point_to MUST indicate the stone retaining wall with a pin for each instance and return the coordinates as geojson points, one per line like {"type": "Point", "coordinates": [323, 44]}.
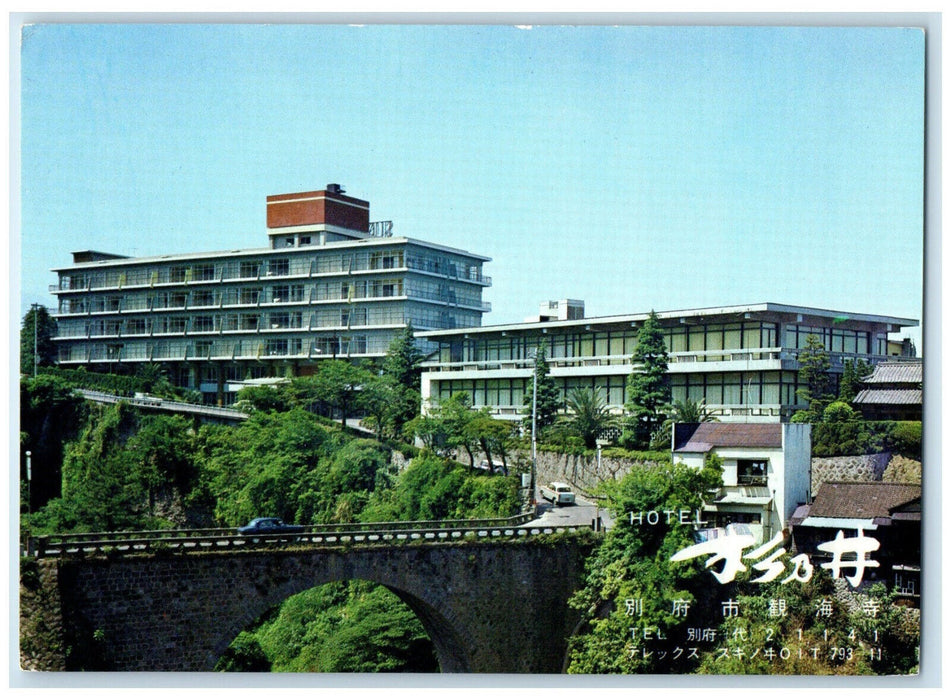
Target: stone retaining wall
{"type": "Point", "coordinates": [581, 471]}
{"type": "Point", "coordinates": [852, 468]}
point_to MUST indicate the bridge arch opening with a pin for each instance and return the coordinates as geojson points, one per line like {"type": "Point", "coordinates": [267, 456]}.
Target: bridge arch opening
{"type": "Point", "coordinates": [347, 625]}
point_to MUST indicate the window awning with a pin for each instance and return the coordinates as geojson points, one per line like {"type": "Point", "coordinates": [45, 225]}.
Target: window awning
{"type": "Point", "coordinates": [738, 500]}
{"type": "Point", "coordinates": [841, 523]}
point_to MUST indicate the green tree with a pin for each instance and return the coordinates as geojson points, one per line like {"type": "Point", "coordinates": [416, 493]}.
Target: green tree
{"type": "Point", "coordinates": [451, 418]}
{"type": "Point", "coordinates": [273, 464]}
{"type": "Point", "coordinates": [632, 567]}
{"type": "Point", "coordinates": [51, 415]}
{"type": "Point", "coordinates": [588, 415]}
{"type": "Point", "coordinates": [380, 399]}
{"type": "Point", "coordinates": [351, 626]}
{"type": "Point", "coordinates": [402, 366]}
{"type": "Point", "coordinates": [37, 330]}
{"type": "Point", "coordinates": [840, 412]}
{"type": "Point", "coordinates": [648, 385]}
{"type": "Point", "coordinates": [336, 385]}
{"type": "Point", "coordinates": [547, 397]}
{"type": "Point", "coordinates": [261, 398]}
{"type": "Point", "coordinates": [853, 372]}
{"type": "Point", "coordinates": [153, 379]}
{"type": "Point", "coordinates": [403, 360]}
{"type": "Point", "coordinates": [491, 435]}
{"type": "Point", "coordinates": [815, 382]}
{"type": "Point", "coordinates": [122, 473]}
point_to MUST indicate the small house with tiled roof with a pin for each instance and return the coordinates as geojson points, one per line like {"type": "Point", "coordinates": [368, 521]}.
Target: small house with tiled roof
{"type": "Point", "coordinates": [888, 512]}
{"type": "Point", "coordinates": [892, 392]}
{"type": "Point", "coordinates": [766, 470]}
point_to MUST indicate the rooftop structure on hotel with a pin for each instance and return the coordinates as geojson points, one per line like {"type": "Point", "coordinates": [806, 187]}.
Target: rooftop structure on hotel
{"type": "Point", "coordinates": [331, 284]}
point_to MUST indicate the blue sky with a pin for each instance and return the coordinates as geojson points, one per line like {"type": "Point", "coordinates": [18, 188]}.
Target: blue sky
{"type": "Point", "coordinates": [632, 167]}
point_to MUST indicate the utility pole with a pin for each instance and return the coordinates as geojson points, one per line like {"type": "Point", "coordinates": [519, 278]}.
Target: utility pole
{"type": "Point", "coordinates": [534, 418]}
{"type": "Point", "coordinates": [35, 358]}
{"type": "Point", "coordinates": [29, 481]}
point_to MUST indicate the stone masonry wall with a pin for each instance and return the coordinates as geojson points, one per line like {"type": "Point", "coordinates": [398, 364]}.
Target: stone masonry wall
{"type": "Point", "coordinates": [42, 639]}
{"type": "Point", "coordinates": [581, 471]}
{"type": "Point", "coordinates": [853, 468]}
{"type": "Point", "coordinates": [491, 607]}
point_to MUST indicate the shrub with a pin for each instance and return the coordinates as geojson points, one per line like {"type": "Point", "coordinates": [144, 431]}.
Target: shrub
{"type": "Point", "coordinates": [904, 438]}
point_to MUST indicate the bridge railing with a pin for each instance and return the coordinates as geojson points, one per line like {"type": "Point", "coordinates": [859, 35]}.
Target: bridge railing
{"type": "Point", "coordinates": [420, 531]}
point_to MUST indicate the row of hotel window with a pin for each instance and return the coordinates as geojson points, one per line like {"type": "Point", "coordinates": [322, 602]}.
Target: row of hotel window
{"type": "Point", "coordinates": [271, 294]}
{"type": "Point", "coordinates": [620, 344]}
{"type": "Point", "coordinates": [721, 388]}
{"type": "Point", "coordinates": [419, 316]}
{"type": "Point", "coordinates": [310, 264]}
{"type": "Point", "coordinates": [344, 345]}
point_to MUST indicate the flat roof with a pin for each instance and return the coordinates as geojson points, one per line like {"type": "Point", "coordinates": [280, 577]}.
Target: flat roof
{"type": "Point", "coordinates": [121, 261]}
{"type": "Point", "coordinates": [637, 318]}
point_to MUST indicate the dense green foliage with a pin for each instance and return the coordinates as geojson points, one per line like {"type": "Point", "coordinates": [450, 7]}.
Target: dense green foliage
{"type": "Point", "coordinates": [857, 437]}
{"type": "Point", "coordinates": [398, 397]}
{"type": "Point", "coordinates": [121, 473]}
{"type": "Point", "coordinates": [454, 426]}
{"type": "Point", "coordinates": [853, 372]}
{"type": "Point", "coordinates": [121, 385]}
{"type": "Point", "coordinates": [126, 469]}
{"type": "Point", "coordinates": [50, 416]}
{"type": "Point", "coordinates": [648, 386]}
{"type": "Point", "coordinates": [588, 415]}
{"type": "Point", "coordinates": [148, 378]}
{"type": "Point", "coordinates": [815, 382]}
{"type": "Point", "coordinates": [633, 564]}
{"type": "Point", "coordinates": [346, 626]}
{"type": "Point", "coordinates": [643, 613]}
{"type": "Point", "coordinates": [37, 332]}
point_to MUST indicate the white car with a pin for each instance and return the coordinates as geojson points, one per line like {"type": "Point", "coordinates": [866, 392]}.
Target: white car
{"type": "Point", "coordinates": [558, 493]}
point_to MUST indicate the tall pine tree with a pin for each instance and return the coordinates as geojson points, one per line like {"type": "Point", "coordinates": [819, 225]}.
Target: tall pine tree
{"type": "Point", "coordinates": [648, 386]}
{"type": "Point", "coordinates": [403, 359]}
{"type": "Point", "coordinates": [815, 381]}
{"type": "Point", "coordinates": [547, 397]}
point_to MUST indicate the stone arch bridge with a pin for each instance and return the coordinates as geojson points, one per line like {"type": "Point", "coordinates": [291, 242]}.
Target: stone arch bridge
{"type": "Point", "coordinates": [491, 600]}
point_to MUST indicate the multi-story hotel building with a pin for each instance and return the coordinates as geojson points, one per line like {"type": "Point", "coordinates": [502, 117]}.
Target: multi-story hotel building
{"type": "Point", "coordinates": [741, 360]}
{"type": "Point", "coordinates": [331, 284]}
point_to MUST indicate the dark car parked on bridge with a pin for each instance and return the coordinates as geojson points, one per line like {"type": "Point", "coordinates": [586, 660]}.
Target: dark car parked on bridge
{"type": "Point", "coordinates": [269, 526]}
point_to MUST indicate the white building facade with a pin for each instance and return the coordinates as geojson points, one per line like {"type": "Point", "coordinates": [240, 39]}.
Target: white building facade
{"type": "Point", "coordinates": [766, 471]}
{"type": "Point", "coordinates": [741, 360]}
{"type": "Point", "coordinates": [331, 284]}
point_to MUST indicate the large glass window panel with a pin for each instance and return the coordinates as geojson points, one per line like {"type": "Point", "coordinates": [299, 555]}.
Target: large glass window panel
{"type": "Point", "coordinates": [771, 392]}
{"type": "Point", "coordinates": [751, 337]}
{"type": "Point", "coordinates": [861, 343]}
{"type": "Point", "coordinates": [714, 391]}
{"type": "Point", "coordinates": [677, 340]}
{"type": "Point", "coordinates": [732, 388]}
{"type": "Point", "coordinates": [617, 344]}
{"type": "Point", "coordinates": [751, 390]}
{"type": "Point", "coordinates": [586, 345]}
{"type": "Point", "coordinates": [696, 341]}
{"type": "Point", "coordinates": [849, 342]}
{"type": "Point", "coordinates": [732, 339]}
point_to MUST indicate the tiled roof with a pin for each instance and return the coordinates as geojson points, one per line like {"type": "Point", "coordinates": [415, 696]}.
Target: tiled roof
{"type": "Point", "coordinates": [891, 397]}
{"type": "Point", "coordinates": [908, 372]}
{"type": "Point", "coordinates": [866, 499]}
{"type": "Point", "coordinates": [702, 437]}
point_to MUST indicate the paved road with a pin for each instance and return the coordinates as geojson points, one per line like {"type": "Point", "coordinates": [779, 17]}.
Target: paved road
{"type": "Point", "coordinates": [582, 513]}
